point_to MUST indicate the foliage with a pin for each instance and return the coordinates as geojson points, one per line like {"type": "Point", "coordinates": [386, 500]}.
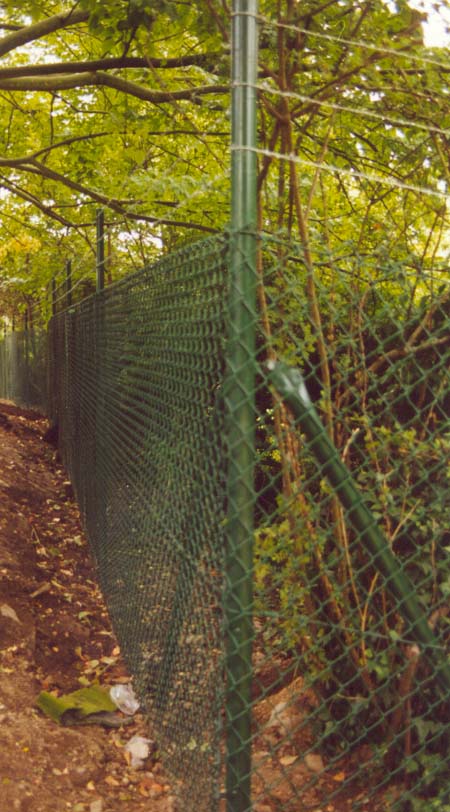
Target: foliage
{"type": "Point", "coordinates": [101, 107]}
{"type": "Point", "coordinates": [370, 251]}
{"type": "Point", "coordinates": [390, 423]}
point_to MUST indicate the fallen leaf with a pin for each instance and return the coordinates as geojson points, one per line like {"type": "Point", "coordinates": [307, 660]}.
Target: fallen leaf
{"type": "Point", "coordinates": [91, 665]}
{"type": "Point", "coordinates": [111, 781]}
{"type": "Point", "coordinates": [314, 762]}
{"type": "Point", "coordinates": [8, 611]}
{"type": "Point", "coordinates": [85, 701]}
{"type": "Point", "coordinates": [339, 777]}
{"type": "Point", "coordinates": [147, 781]}
{"type": "Point", "coordinates": [148, 787]}
{"type": "Point", "coordinates": [286, 761]}
{"type": "Point", "coordinates": [41, 589]}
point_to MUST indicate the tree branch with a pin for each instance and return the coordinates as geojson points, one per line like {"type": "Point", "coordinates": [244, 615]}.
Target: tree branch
{"type": "Point", "coordinates": [410, 346]}
{"type": "Point", "coordinates": [36, 168]}
{"type": "Point", "coordinates": [22, 161]}
{"type": "Point", "coordinates": [24, 195]}
{"type": "Point", "coordinates": [101, 79]}
{"type": "Point", "coordinates": [10, 27]}
{"type": "Point", "coordinates": [206, 61]}
{"type": "Point", "coordinates": [30, 33]}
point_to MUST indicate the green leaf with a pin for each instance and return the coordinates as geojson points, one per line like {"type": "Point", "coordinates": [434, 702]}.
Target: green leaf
{"type": "Point", "coordinates": [83, 702]}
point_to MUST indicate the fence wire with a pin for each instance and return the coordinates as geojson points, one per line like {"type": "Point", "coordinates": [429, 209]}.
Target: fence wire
{"type": "Point", "coordinates": [348, 712]}
{"type": "Point", "coordinates": [136, 390]}
{"type": "Point", "coordinates": [348, 709]}
{"type": "Point", "coordinates": [23, 368]}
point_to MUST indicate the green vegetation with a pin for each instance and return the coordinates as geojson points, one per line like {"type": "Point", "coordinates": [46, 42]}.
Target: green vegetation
{"type": "Point", "coordinates": [116, 105]}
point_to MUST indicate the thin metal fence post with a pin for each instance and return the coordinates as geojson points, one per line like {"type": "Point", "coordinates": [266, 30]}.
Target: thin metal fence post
{"type": "Point", "coordinates": [69, 283]}
{"type": "Point", "coordinates": [240, 409]}
{"type": "Point", "coordinates": [100, 484]}
{"type": "Point", "coordinates": [100, 265]}
{"type": "Point", "coordinates": [53, 296]}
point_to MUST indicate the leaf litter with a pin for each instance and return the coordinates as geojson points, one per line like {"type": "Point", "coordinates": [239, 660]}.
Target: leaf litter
{"type": "Point", "coordinates": [56, 641]}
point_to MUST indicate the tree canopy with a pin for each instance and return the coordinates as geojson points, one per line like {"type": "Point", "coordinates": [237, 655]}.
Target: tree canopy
{"type": "Point", "coordinates": [116, 105]}
{"type": "Point", "coordinates": [125, 105]}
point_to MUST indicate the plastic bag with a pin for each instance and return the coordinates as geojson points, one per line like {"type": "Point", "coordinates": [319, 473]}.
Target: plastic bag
{"type": "Point", "coordinates": [123, 696]}
{"type": "Point", "coordinates": [139, 749]}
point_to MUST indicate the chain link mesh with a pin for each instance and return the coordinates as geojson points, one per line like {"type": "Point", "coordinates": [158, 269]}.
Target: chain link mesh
{"type": "Point", "coordinates": [136, 374]}
{"type": "Point", "coordinates": [348, 711]}
{"type": "Point", "coordinates": [346, 708]}
{"type": "Point", "coordinates": [23, 368]}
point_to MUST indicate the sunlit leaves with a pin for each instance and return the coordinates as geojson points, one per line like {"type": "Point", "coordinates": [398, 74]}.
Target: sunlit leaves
{"type": "Point", "coordinates": [86, 146]}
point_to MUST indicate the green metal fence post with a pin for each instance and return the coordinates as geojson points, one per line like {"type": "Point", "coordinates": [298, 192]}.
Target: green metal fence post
{"type": "Point", "coordinates": [239, 398]}
{"type": "Point", "coordinates": [100, 264]}
{"type": "Point", "coordinates": [69, 283]}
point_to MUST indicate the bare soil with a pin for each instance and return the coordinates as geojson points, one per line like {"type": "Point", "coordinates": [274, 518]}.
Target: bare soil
{"type": "Point", "coordinates": [55, 636]}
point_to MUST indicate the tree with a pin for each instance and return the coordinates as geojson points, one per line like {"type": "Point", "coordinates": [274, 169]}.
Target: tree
{"type": "Point", "coordinates": [101, 106]}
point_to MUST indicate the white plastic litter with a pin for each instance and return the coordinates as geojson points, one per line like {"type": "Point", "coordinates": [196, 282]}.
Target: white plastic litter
{"type": "Point", "coordinates": [123, 696]}
{"type": "Point", "coordinates": [139, 749]}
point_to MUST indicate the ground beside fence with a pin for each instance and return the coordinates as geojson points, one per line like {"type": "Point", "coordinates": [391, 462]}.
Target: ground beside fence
{"type": "Point", "coordinates": [63, 636]}
{"type": "Point", "coordinates": [55, 631]}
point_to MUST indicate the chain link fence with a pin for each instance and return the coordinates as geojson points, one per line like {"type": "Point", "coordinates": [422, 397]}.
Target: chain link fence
{"type": "Point", "coordinates": [23, 368]}
{"type": "Point", "coordinates": [351, 632]}
{"type": "Point", "coordinates": [135, 376]}
{"type": "Point", "coordinates": [258, 432]}
{"type": "Point", "coordinates": [349, 702]}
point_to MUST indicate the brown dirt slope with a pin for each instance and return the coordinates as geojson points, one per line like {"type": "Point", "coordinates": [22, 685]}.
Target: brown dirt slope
{"type": "Point", "coordinates": [55, 636]}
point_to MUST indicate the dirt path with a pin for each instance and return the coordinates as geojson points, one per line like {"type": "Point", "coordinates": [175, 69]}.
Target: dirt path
{"type": "Point", "coordinates": [55, 636]}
